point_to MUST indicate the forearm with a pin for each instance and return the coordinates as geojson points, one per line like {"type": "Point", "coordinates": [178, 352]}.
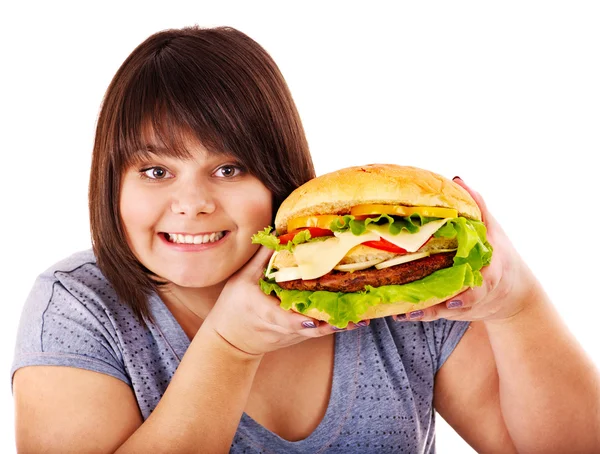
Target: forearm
{"type": "Point", "coordinates": [549, 388]}
{"type": "Point", "coordinates": [202, 407]}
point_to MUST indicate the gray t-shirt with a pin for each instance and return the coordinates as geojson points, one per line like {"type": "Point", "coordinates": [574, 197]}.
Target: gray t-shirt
{"type": "Point", "coordinates": [381, 396]}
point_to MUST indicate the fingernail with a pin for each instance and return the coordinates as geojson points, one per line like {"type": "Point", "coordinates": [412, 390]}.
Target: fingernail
{"type": "Point", "coordinates": [400, 317]}
{"type": "Point", "coordinates": [335, 328]}
{"type": "Point", "coordinates": [416, 314]}
{"type": "Point", "coordinates": [309, 324]}
{"type": "Point", "coordinates": [454, 304]}
{"type": "Point", "coordinates": [457, 178]}
{"type": "Point", "coordinates": [362, 323]}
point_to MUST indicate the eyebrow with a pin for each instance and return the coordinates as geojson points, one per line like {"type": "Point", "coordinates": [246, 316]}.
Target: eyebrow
{"type": "Point", "coordinates": [160, 151]}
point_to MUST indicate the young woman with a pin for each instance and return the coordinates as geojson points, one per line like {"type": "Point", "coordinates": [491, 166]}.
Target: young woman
{"type": "Point", "coordinates": [160, 339]}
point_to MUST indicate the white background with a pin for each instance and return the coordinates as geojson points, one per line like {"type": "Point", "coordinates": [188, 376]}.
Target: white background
{"type": "Point", "coordinates": [506, 95]}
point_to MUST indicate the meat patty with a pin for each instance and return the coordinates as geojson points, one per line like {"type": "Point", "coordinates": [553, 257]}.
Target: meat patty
{"type": "Point", "coordinates": [341, 281]}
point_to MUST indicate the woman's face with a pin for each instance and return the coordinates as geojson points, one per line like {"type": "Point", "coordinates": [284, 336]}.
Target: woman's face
{"type": "Point", "coordinates": [190, 221]}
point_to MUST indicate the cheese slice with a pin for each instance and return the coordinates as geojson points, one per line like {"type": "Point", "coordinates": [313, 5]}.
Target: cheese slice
{"type": "Point", "coordinates": [406, 240]}
{"type": "Point", "coordinates": [318, 258]}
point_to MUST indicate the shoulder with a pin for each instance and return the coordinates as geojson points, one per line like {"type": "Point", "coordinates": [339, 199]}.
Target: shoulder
{"type": "Point", "coordinates": [72, 316]}
{"type": "Point", "coordinates": [75, 285]}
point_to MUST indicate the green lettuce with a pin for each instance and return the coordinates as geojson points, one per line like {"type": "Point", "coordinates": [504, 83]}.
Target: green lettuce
{"type": "Point", "coordinates": [473, 253]}
{"type": "Point", "coordinates": [410, 223]}
{"type": "Point", "coordinates": [272, 242]}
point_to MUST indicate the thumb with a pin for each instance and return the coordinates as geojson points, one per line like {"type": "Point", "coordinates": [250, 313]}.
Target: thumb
{"type": "Point", "coordinates": [485, 214]}
{"type": "Point", "coordinates": [253, 269]}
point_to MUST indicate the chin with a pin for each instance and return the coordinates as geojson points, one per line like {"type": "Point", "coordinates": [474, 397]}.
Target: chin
{"type": "Point", "coordinates": [196, 277]}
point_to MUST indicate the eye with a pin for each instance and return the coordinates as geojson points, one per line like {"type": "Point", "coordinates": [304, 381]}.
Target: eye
{"type": "Point", "coordinates": [229, 171]}
{"type": "Point", "coordinates": [156, 173]}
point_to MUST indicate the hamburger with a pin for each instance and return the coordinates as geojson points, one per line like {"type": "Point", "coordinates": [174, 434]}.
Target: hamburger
{"type": "Point", "coordinates": [371, 241]}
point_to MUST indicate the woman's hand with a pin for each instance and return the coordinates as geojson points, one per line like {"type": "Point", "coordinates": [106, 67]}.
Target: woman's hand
{"type": "Point", "coordinates": [507, 282]}
{"type": "Point", "coordinates": [254, 322]}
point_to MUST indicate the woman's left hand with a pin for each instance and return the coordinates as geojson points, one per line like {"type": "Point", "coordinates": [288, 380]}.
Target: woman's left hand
{"type": "Point", "coordinates": [507, 282]}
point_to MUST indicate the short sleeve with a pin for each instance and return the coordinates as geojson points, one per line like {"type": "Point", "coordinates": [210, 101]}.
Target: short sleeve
{"type": "Point", "coordinates": [442, 338]}
{"type": "Point", "coordinates": [62, 324]}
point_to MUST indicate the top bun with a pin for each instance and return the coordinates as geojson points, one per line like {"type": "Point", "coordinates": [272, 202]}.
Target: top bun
{"type": "Point", "coordinates": [337, 192]}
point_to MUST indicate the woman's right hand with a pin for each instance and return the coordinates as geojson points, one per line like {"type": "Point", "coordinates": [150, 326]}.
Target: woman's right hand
{"type": "Point", "coordinates": [254, 322]}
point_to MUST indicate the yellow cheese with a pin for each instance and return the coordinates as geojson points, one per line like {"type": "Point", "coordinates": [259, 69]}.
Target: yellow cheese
{"type": "Point", "coordinates": [318, 258]}
{"type": "Point", "coordinates": [406, 240]}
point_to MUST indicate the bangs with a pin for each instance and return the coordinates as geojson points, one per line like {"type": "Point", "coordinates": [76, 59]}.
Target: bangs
{"type": "Point", "coordinates": [175, 100]}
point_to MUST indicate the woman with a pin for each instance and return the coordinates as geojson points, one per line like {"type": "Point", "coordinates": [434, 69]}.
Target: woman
{"type": "Point", "coordinates": [161, 339]}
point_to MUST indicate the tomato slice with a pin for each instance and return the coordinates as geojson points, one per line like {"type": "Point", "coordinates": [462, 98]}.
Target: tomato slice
{"type": "Point", "coordinates": [314, 232]}
{"type": "Point", "coordinates": [385, 245]}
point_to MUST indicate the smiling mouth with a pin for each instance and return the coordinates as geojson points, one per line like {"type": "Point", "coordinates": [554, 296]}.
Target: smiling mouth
{"type": "Point", "coordinates": [179, 238]}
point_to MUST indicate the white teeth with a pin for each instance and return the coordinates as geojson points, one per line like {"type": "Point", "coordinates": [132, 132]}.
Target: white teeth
{"type": "Point", "coordinates": [195, 239]}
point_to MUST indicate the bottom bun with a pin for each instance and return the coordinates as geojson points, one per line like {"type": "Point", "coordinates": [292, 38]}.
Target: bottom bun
{"type": "Point", "coordinates": [384, 310]}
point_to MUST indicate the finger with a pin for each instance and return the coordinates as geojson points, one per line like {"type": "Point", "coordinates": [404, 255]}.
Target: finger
{"type": "Point", "coordinates": [324, 328]}
{"type": "Point", "coordinates": [351, 326]}
{"type": "Point", "coordinates": [284, 321]}
{"type": "Point", "coordinates": [255, 267]}
{"type": "Point", "coordinates": [485, 214]}
{"type": "Point", "coordinates": [420, 315]}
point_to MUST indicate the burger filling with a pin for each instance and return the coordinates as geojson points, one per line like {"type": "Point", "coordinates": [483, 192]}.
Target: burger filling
{"type": "Point", "coordinates": [342, 264]}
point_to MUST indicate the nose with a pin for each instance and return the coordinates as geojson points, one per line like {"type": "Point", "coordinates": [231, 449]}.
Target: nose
{"type": "Point", "coordinates": [192, 200]}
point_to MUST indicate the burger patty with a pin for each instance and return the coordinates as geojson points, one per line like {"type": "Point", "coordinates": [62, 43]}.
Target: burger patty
{"type": "Point", "coordinates": [348, 282]}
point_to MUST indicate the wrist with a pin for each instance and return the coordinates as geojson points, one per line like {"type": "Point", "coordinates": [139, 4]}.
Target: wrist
{"type": "Point", "coordinates": [210, 334]}
{"type": "Point", "coordinates": [531, 302]}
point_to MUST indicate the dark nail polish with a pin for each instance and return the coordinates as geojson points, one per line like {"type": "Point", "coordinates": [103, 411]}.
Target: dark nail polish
{"type": "Point", "coordinates": [362, 323]}
{"type": "Point", "coordinates": [309, 324]}
{"type": "Point", "coordinates": [454, 304]}
{"type": "Point", "coordinates": [335, 328]}
{"type": "Point", "coordinates": [457, 178]}
{"type": "Point", "coordinates": [416, 314]}
{"type": "Point", "coordinates": [400, 317]}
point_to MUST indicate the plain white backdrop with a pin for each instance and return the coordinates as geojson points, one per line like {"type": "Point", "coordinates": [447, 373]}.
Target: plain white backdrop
{"type": "Point", "coordinates": [505, 95]}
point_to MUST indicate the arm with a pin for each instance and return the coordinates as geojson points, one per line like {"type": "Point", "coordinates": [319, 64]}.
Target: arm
{"type": "Point", "coordinates": [204, 402]}
{"type": "Point", "coordinates": [466, 394]}
{"type": "Point", "coordinates": [531, 371]}
{"type": "Point", "coordinates": [65, 409]}
{"type": "Point", "coordinates": [549, 389]}
{"type": "Point", "coordinates": [527, 391]}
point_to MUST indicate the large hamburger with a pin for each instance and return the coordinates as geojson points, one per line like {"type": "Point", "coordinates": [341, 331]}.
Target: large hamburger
{"type": "Point", "coordinates": [371, 241]}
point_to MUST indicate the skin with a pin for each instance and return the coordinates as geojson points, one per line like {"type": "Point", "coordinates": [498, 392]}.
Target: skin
{"type": "Point", "coordinates": [517, 396]}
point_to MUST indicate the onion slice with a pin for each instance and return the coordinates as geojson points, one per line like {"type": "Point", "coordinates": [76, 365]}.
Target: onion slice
{"type": "Point", "coordinates": [401, 259]}
{"type": "Point", "coordinates": [286, 274]}
{"type": "Point", "coordinates": [357, 266]}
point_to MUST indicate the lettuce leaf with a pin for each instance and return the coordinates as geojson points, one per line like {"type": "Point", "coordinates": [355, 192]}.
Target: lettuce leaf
{"type": "Point", "coordinates": [410, 223]}
{"type": "Point", "coordinates": [473, 248]}
{"type": "Point", "coordinates": [348, 307]}
{"type": "Point", "coordinates": [272, 242]}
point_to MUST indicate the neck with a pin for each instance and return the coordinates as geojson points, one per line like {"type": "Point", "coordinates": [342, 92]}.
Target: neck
{"type": "Point", "coordinates": [190, 306]}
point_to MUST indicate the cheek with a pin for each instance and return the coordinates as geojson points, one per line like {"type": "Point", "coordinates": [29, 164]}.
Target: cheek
{"type": "Point", "coordinates": [258, 209]}
{"type": "Point", "coordinates": [136, 209]}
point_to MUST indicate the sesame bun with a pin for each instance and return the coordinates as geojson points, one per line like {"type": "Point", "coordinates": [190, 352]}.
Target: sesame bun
{"type": "Point", "coordinates": [337, 192]}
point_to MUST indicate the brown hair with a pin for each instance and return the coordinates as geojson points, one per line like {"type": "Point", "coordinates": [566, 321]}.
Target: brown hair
{"type": "Point", "coordinates": [214, 83]}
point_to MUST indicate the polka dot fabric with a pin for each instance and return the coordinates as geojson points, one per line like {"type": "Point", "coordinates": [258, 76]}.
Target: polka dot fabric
{"type": "Point", "coordinates": [382, 393]}
{"type": "Point", "coordinates": [382, 390]}
{"type": "Point", "coordinates": [73, 318]}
